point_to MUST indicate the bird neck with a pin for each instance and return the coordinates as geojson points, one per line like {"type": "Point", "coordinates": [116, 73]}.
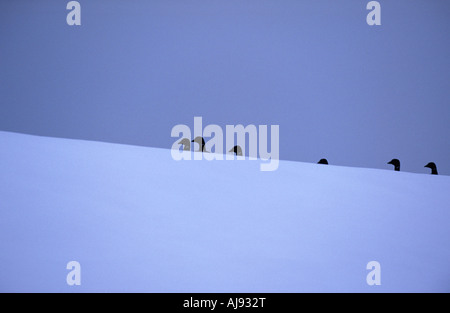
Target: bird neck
{"type": "Point", "coordinates": [397, 168]}
{"type": "Point", "coordinates": [434, 171]}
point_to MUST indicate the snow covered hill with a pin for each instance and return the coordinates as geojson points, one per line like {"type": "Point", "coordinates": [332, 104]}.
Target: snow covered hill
{"type": "Point", "coordinates": [136, 220]}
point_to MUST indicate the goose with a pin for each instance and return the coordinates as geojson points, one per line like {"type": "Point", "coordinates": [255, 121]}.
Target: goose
{"type": "Point", "coordinates": [323, 161]}
{"type": "Point", "coordinates": [201, 143]}
{"type": "Point", "coordinates": [433, 167]}
{"type": "Point", "coordinates": [186, 144]}
{"type": "Point", "coordinates": [236, 150]}
{"type": "Point", "coordinates": [396, 164]}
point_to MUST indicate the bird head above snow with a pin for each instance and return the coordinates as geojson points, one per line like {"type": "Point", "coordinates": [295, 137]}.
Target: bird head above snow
{"type": "Point", "coordinates": [237, 150]}
{"type": "Point", "coordinates": [186, 144]}
{"type": "Point", "coordinates": [396, 163]}
{"type": "Point", "coordinates": [201, 142]}
{"type": "Point", "coordinates": [323, 161]}
{"type": "Point", "coordinates": [433, 168]}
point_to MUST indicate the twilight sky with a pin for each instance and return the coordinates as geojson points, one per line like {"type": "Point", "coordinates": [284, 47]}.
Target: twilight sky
{"type": "Point", "coordinates": [339, 89]}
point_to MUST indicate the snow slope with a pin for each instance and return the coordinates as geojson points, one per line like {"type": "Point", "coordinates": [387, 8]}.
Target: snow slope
{"type": "Point", "coordinates": [136, 220]}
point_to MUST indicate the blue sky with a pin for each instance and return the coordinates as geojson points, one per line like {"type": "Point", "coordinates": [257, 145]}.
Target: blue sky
{"type": "Point", "coordinates": [339, 89]}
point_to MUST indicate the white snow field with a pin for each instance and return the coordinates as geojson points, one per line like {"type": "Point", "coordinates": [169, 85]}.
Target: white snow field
{"type": "Point", "coordinates": [138, 221]}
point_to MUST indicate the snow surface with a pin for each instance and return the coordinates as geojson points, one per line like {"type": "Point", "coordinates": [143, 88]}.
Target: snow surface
{"type": "Point", "coordinates": [136, 220]}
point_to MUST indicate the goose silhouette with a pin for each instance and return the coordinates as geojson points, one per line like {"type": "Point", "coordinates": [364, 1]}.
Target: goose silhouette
{"type": "Point", "coordinates": [323, 161]}
{"type": "Point", "coordinates": [396, 164]}
{"type": "Point", "coordinates": [201, 143]}
{"type": "Point", "coordinates": [433, 167]}
{"type": "Point", "coordinates": [186, 144]}
{"type": "Point", "coordinates": [236, 150]}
